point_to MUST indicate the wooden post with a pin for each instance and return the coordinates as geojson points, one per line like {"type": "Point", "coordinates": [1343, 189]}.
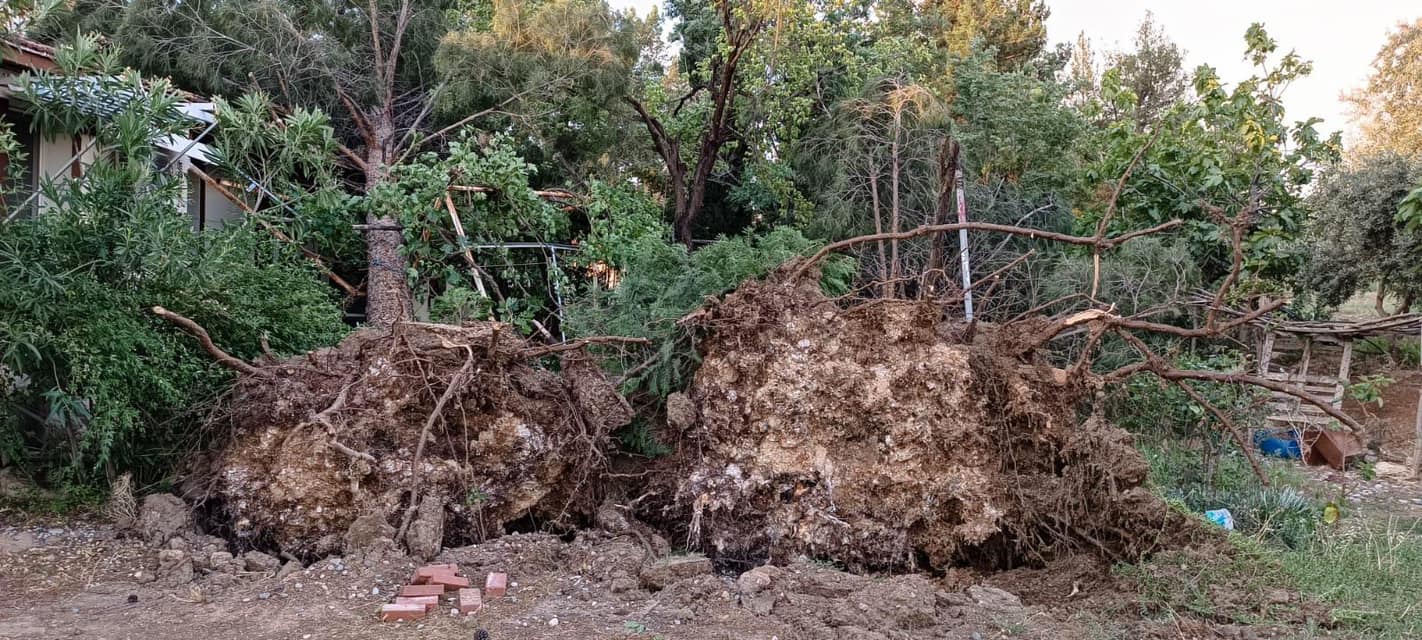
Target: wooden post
{"type": "Point", "coordinates": [1344, 365]}
{"type": "Point", "coordinates": [1266, 353]}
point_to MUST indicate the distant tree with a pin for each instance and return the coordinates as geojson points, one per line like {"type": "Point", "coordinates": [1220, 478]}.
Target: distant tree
{"type": "Point", "coordinates": [689, 172]}
{"type": "Point", "coordinates": [1223, 151]}
{"type": "Point", "coordinates": [1154, 71]}
{"type": "Point", "coordinates": [1015, 29]}
{"type": "Point", "coordinates": [1389, 107]}
{"type": "Point", "coordinates": [565, 64]}
{"type": "Point", "coordinates": [1082, 77]}
{"type": "Point", "coordinates": [1355, 237]}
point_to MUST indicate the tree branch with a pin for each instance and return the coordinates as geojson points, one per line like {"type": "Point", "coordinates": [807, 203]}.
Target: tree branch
{"type": "Point", "coordinates": [222, 357]}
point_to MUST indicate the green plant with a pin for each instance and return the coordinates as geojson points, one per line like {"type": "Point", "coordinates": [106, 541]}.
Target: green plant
{"type": "Point", "coordinates": [108, 387]}
{"type": "Point", "coordinates": [661, 282]}
{"type": "Point", "coordinates": [1369, 389]}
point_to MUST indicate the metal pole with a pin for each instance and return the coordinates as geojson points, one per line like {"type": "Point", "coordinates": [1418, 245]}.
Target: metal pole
{"type": "Point", "coordinates": [35, 194]}
{"type": "Point", "coordinates": [963, 244]}
{"type": "Point", "coordinates": [1417, 436]}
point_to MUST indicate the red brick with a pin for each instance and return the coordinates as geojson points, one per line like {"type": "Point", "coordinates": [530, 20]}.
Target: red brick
{"type": "Point", "coordinates": [417, 590]}
{"type": "Point", "coordinates": [402, 612]}
{"type": "Point", "coordinates": [423, 574]}
{"type": "Point", "coordinates": [450, 582]}
{"type": "Point", "coordinates": [430, 603]}
{"type": "Point", "coordinates": [470, 601]}
{"type": "Point", "coordinates": [496, 584]}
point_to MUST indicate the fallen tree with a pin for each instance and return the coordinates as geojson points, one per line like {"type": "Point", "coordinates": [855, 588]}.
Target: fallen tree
{"type": "Point", "coordinates": [414, 436]}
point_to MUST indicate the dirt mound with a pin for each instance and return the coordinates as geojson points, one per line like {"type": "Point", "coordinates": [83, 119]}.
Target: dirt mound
{"type": "Point", "coordinates": [874, 436]}
{"type": "Point", "coordinates": [334, 439]}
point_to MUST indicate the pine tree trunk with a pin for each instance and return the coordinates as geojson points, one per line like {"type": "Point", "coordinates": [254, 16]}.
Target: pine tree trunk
{"type": "Point", "coordinates": [387, 291]}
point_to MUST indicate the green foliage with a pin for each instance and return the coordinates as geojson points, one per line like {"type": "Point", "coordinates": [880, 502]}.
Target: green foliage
{"type": "Point", "coordinates": [1369, 389]}
{"type": "Point", "coordinates": [505, 210]}
{"type": "Point", "coordinates": [109, 387]}
{"type": "Point", "coordinates": [1155, 409]}
{"type": "Point", "coordinates": [1229, 148]}
{"type": "Point", "coordinates": [662, 282]}
{"type": "Point", "coordinates": [1356, 238]}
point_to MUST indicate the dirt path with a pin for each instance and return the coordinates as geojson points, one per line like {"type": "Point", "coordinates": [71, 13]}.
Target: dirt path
{"type": "Point", "coordinates": [82, 581]}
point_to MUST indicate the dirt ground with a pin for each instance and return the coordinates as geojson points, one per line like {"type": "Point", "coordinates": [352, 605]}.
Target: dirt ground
{"type": "Point", "coordinates": [83, 581]}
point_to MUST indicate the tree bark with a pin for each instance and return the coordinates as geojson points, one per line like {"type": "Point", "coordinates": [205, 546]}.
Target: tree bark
{"type": "Point", "coordinates": [388, 297]}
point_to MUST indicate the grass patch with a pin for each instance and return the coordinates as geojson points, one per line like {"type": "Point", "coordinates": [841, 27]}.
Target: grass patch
{"type": "Point", "coordinates": [1370, 575]}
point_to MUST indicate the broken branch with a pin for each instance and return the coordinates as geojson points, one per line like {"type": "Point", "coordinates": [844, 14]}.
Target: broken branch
{"type": "Point", "coordinates": [222, 357]}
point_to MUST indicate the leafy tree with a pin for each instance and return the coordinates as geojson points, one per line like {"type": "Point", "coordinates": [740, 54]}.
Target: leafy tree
{"type": "Point", "coordinates": [706, 133]}
{"type": "Point", "coordinates": [1389, 106]}
{"type": "Point", "coordinates": [1355, 238]}
{"type": "Point", "coordinates": [1153, 72]}
{"type": "Point", "coordinates": [1016, 30]}
{"type": "Point", "coordinates": [94, 384]}
{"type": "Point", "coordinates": [371, 66]}
{"type": "Point", "coordinates": [559, 69]}
{"type": "Point", "coordinates": [1229, 149]}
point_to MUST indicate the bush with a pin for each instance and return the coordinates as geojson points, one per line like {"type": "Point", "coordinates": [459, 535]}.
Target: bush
{"type": "Point", "coordinates": [96, 384]}
{"type": "Point", "coordinates": [662, 282]}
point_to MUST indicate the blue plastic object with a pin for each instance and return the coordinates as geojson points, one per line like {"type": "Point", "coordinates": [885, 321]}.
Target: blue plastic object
{"type": "Point", "coordinates": [1221, 517]}
{"type": "Point", "coordinates": [1283, 445]}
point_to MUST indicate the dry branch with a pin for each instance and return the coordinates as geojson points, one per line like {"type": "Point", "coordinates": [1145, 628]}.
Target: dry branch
{"type": "Point", "coordinates": [1087, 241]}
{"type": "Point", "coordinates": [222, 357]}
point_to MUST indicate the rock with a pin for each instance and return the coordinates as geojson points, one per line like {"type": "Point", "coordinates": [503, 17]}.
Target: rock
{"type": "Point", "coordinates": [1277, 596]}
{"type": "Point", "coordinates": [994, 599]}
{"type": "Point", "coordinates": [426, 534]}
{"type": "Point", "coordinates": [175, 567]}
{"type": "Point", "coordinates": [289, 568]}
{"type": "Point", "coordinates": [162, 517]}
{"type": "Point", "coordinates": [260, 562]}
{"type": "Point", "coordinates": [223, 562]}
{"type": "Point", "coordinates": [17, 542]}
{"type": "Point", "coordinates": [369, 532]}
{"type": "Point", "coordinates": [756, 591]}
{"type": "Point", "coordinates": [666, 571]}
{"type": "Point", "coordinates": [681, 411]}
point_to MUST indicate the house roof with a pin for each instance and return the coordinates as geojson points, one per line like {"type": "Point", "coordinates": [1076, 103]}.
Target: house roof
{"type": "Point", "coordinates": [26, 54]}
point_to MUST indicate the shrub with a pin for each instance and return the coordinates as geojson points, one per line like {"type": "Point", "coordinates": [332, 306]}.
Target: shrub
{"type": "Point", "coordinates": [98, 385]}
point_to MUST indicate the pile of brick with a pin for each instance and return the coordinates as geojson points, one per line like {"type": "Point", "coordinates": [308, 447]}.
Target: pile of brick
{"type": "Point", "coordinates": [434, 581]}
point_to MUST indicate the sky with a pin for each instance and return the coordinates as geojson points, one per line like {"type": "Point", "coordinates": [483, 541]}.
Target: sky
{"type": "Point", "coordinates": [1340, 38]}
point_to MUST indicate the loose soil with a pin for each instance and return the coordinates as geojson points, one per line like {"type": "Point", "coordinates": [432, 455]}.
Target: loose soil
{"type": "Point", "coordinates": [881, 437]}
{"type": "Point", "coordinates": [81, 580]}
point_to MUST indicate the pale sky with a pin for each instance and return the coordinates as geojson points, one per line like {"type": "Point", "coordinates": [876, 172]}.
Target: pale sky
{"type": "Point", "coordinates": [1340, 38]}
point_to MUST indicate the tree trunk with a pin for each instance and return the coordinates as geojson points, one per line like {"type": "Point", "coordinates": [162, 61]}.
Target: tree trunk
{"type": "Point", "coordinates": [387, 291]}
{"type": "Point", "coordinates": [937, 254]}
{"type": "Point", "coordinates": [885, 286]}
{"type": "Point", "coordinates": [1382, 297]}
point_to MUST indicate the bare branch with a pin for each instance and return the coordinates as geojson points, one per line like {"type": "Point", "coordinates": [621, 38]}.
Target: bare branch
{"type": "Point", "coordinates": [222, 357]}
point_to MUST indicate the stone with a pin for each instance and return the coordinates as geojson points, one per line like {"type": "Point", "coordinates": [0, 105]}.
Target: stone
{"type": "Point", "coordinates": [994, 599]}
{"type": "Point", "coordinates": [666, 571]}
{"type": "Point", "coordinates": [426, 534]}
{"type": "Point", "coordinates": [174, 567]}
{"type": "Point", "coordinates": [681, 411]}
{"type": "Point", "coordinates": [260, 562]}
{"type": "Point", "coordinates": [287, 569]}
{"type": "Point", "coordinates": [755, 587]}
{"type": "Point", "coordinates": [368, 532]}
{"type": "Point", "coordinates": [161, 517]}
{"type": "Point", "coordinates": [223, 562]}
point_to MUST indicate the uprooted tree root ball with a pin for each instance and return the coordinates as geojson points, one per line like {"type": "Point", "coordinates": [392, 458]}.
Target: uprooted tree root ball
{"type": "Point", "coordinates": [876, 437]}
{"type": "Point", "coordinates": [422, 435]}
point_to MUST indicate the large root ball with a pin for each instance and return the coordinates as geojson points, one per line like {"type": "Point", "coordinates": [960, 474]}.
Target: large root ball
{"type": "Point", "coordinates": [876, 437]}
{"type": "Point", "coordinates": [335, 435]}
